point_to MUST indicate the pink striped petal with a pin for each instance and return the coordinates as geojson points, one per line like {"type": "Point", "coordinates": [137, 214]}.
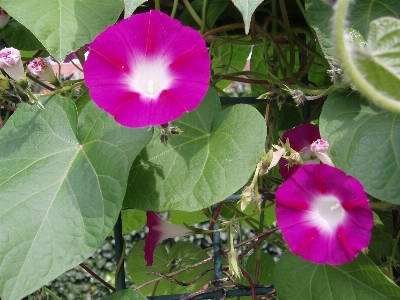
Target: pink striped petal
{"type": "Point", "coordinates": [324, 214]}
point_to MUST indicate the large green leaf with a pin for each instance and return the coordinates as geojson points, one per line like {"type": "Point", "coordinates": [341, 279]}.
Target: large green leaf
{"type": "Point", "coordinates": [182, 255]}
{"type": "Point", "coordinates": [62, 182]}
{"type": "Point", "coordinates": [188, 218]}
{"type": "Point", "coordinates": [379, 61]}
{"type": "Point", "coordinates": [213, 157]}
{"type": "Point", "coordinates": [296, 278]}
{"type": "Point", "coordinates": [361, 13]}
{"type": "Point", "coordinates": [265, 268]}
{"type": "Point", "coordinates": [247, 8]}
{"type": "Point", "coordinates": [364, 142]}
{"type": "Point", "coordinates": [66, 25]}
{"type": "Point", "coordinates": [126, 295]}
{"type": "Point", "coordinates": [131, 5]}
{"type": "Point", "coordinates": [17, 36]}
{"type": "Point", "coordinates": [132, 219]}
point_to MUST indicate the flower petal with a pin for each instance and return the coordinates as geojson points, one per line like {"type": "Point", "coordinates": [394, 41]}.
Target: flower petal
{"type": "Point", "coordinates": [300, 138]}
{"type": "Point", "coordinates": [158, 231]}
{"type": "Point", "coordinates": [324, 214]}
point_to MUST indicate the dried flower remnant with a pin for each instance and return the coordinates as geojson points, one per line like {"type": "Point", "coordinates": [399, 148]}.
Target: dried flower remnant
{"type": "Point", "coordinates": [324, 214]}
{"type": "Point", "coordinates": [148, 69]}
{"type": "Point", "coordinates": [300, 139]}
{"type": "Point", "coordinates": [159, 230]}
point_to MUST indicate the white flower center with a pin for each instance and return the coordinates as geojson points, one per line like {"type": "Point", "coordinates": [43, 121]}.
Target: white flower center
{"type": "Point", "coordinates": [151, 77]}
{"type": "Point", "coordinates": [327, 212]}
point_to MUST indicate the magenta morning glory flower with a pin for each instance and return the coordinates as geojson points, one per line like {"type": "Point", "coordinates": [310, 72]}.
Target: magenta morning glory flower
{"type": "Point", "coordinates": [159, 230]}
{"type": "Point", "coordinates": [324, 214]}
{"type": "Point", "coordinates": [300, 139]}
{"type": "Point", "coordinates": [10, 62]}
{"type": "Point", "coordinates": [148, 69]}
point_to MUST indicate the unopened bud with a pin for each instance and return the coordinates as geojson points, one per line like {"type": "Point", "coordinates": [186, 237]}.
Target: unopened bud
{"type": "Point", "coordinates": [320, 145]}
{"type": "Point", "coordinates": [246, 197]}
{"type": "Point", "coordinates": [10, 62]}
{"type": "Point", "coordinates": [40, 67]}
{"type": "Point", "coordinates": [320, 148]}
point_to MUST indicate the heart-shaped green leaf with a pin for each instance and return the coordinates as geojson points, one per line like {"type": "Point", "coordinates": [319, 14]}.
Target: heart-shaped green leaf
{"type": "Point", "coordinates": [131, 5]}
{"type": "Point", "coordinates": [228, 59]}
{"type": "Point", "coordinates": [182, 255]}
{"type": "Point", "coordinates": [362, 12]}
{"type": "Point", "coordinates": [62, 182]}
{"type": "Point", "coordinates": [213, 157]}
{"type": "Point", "coordinates": [265, 268]}
{"type": "Point", "coordinates": [296, 278]}
{"type": "Point", "coordinates": [17, 36]}
{"type": "Point", "coordinates": [247, 8]}
{"type": "Point", "coordinates": [364, 142]}
{"type": "Point", "coordinates": [379, 59]}
{"type": "Point", "coordinates": [64, 26]}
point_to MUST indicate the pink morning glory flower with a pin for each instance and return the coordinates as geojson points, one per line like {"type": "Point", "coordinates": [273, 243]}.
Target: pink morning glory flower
{"type": "Point", "coordinates": [10, 62]}
{"type": "Point", "coordinates": [324, 214]}
{"type": "Point", "coordinates": [300, 139]}
{"type": "Point", "coordinates": [148, 69]}
{"type": "Point", "coordinates": [159, 230]}
{"type": "Point", "coordinates": [4, 18]}
{"type": "Point", "coordinates": [40, 67]}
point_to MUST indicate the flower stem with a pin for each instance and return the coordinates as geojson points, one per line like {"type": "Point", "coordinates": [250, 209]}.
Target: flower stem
{"type": "Point", "coordinates": [174, 8]}
{"type": "Point", "coordinates": [193, 13]}
{"type": "Point", "coordinates": [51, 293]}
{"type": "Point", "coordinates": [101, 280]}
{"type": "Point", "coordinates": [157, 5]}
{"type": "Point", "coordinates": [75, 65]}
{"type": "Point", "coordinates": [343, 52]}
{"type": "Point", "coordinates": [65, 88]}
{"type": "Point", "coordinates": [119, 255]}
{"type": "Point", "coordinates": [40, 82]}
{"type": "Point", "coordinates": [223, 28]}
{"type": "Point", "coordinates": [287, 27]}
{"type": "Point", "coordinates": [204, 16]}
{"type": "Point", "coordinates": [35, 99]}
{"type": "Point", "coordinates": [395, 245]}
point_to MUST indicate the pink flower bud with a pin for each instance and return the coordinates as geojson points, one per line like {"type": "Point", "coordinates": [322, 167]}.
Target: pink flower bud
{"type": "Point", "coordinates": [320, 145]}
{"type": "Point", "coordinates": [40, 67]}
{"type": "Point", "coordinates": [10, 62]}
{"type": "Point", "coordinates": [4, 18]}
{"type": "Point", "coordinates": [320, 148]}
